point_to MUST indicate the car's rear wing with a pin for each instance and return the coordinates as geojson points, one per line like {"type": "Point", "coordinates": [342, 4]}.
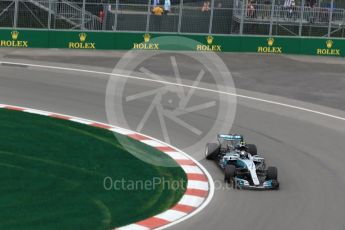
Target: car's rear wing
{"type": "Point", "coordinates": [230, 137]}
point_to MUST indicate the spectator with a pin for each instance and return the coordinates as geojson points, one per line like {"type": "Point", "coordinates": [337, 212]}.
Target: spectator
{"type": "Point", "coordinates": [267, 12]}
{"type": "Point", "coordinates": [206, 6]}
{"type": "Point", "coordinates": [157, 10]}
{"type": "Point", "coordinates": [167, 7]}
{"type": "Point", "coordinates": [101, 16]}
{"type": "Point", "coordinates": [309, 11]}
{"type": "Point", "coordinates": [311, 3]}
{"type": "Point", "coordinates": [155, 3]}
{"type": "Point", "coordinates": [250, 9]}
{"type": "Point", "coordinates": [219, 5]}
{"type": "Point", "coordinates": [293, 9]}
{"type": "Point", "coordinates": [157, 17]}
{"type": "Point", "coordinates": [325, 12]}
{"type": "Point", "coordinates": [289, 5]}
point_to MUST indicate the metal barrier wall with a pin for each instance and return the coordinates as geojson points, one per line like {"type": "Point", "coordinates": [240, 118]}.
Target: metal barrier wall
{"type": "Point", "coordinates": [28, 38]}
{"type": "Point", "coordinates": [237, 17]}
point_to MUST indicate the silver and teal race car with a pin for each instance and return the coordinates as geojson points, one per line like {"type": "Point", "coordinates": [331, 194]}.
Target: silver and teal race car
{"type": "Point", "coordinates": [243, 167]}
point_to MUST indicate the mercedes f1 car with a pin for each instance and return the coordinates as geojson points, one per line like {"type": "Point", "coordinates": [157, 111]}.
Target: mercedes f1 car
{"type": "Point", "coordinates": [243, 167]}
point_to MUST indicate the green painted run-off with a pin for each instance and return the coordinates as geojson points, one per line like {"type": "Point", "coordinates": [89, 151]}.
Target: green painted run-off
{"type": "Point", "coordinates": [55, 174]}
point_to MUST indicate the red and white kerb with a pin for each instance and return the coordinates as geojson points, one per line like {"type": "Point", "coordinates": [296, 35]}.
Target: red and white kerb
{"type": "Point", "coordinates": [198, 184]}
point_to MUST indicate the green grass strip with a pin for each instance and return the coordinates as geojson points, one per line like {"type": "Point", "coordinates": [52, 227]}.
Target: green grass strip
{"type": "Point", "coordinates": [52, 176]}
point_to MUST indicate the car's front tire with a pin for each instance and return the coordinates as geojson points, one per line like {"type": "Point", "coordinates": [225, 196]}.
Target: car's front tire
{"type": "Point", "coordinates": [272, 173]}
{"type": "Point", "coordinates": [252, 149]}
{"type": "Point", "coordinates": [211, 151]}
{"type": "Point", "coordinates": [229, 173]}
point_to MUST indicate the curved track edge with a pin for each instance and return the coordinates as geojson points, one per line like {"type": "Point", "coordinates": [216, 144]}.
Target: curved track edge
{"type": "Point", "coordinates": [200, 186]}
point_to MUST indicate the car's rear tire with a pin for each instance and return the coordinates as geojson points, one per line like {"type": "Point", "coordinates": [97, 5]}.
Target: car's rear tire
{"type": "Point", "coordinates": [272, 173]}
{"type": "Point", "coordinates": [211, 151]}
{"type": "Point", "coordinates": [252, 149]}
{"type": "Point", "coordinates": [229, 173]}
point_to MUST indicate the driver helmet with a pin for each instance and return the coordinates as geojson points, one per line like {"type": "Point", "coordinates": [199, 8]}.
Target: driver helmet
{"type": "Point", "coordinates": [243, 154]}
{"type": "Point", "coordinates": [242, 145]}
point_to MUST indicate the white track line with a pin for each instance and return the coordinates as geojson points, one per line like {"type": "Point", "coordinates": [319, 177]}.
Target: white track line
{"type": "Point", "coordinates": [177, 84]}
